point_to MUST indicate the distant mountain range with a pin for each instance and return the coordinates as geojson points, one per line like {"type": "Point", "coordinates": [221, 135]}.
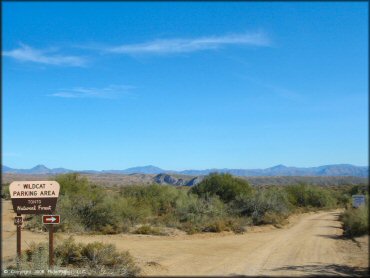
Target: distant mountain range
{"type": "Point", "coordinates": [279, 170]}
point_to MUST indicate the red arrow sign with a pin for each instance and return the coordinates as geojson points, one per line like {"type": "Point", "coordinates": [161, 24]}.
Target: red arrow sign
{"type": "Point", "coordinates": [51, 219]}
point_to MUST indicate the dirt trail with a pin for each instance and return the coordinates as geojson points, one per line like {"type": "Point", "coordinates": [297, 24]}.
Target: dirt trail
{"type": "Point", "coordinates": [310, 245]}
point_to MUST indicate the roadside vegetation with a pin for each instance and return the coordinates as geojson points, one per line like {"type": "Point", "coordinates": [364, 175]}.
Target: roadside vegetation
{"type": "Point", "coordinates": [76, 259]}
{"type": "Point", "coordinates": [356, 220]}
{"type": "Point", "coordinates": [221, 202]}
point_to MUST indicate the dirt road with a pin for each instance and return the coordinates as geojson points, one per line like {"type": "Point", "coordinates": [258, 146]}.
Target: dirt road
{"type": "Point", "coordinates": [310, 245]}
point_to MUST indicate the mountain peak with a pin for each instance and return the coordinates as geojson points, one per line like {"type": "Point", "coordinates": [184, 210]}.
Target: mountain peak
{"type": "Point", "coordinates": [40, 167]}
{"type": "Point", "coordinates": [280, 166]}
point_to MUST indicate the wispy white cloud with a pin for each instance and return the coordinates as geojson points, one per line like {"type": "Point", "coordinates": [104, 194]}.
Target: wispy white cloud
{"type": "Point", "coordinates": [178, 45]}
{"type": "Point", "coordinates": [109, 92]}
{"type": "Point", "coordinates": [26, 53]}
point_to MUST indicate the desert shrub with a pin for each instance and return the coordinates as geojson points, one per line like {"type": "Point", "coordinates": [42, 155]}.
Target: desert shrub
{"type": "Point", "coordinates": [237, 225]}
{"type": "Point", "coordinates": [264, 200]}
{"type": "Point", "coordinates": [297, 194]}
{"type": "Point", "coordinates": [320, 197]}
{"type": "Point", "coordinates": [155, 202]}
{"type": "Point", "coordinates": [33, 261]}
{"type": "Point", "coordinates": [69, 213]}
{"type": "Point", "coordinates": [149, 230]}
{"type": "Point", "coordinates": [343, 199]}
{"type": "Point", "coordinates": [303, 195]}
{"type": "Point", "coordinates": [100, 214]}
{"type": "Point", "coordinates": [85, 207]}
{"type": "Point", "coordinates": [70, 253]}
{"type": "Point", "coordinates": [36, 257]}
{"type": "Point", "coordinates": [274, 218]}
{"type": "Point", "coordinates": [355, 221]}
{"type": "Point", "coordinates": [225, 186]}
{"type": "Point", "coordinates": [72, 183]}
{"type": "Point", "coordinates": [358, 189]}
{"type": "Point", "coordinates": [161, 199]}
{"type": "Point", "coordinates": [216, 226]}
{"type": "Point", "coordinates": [5, 192]}
{"type": "Point", "coordinates": [133, 212]}
{"type": "Point", "coordinates": [170, 206]}
{"type": "Point", "coordinates": [195, 214]}
{"type": "Point", "coordinates": [192, 207]}
{"type": "Point", "coordinates": [35, 223]}
{"type": "Point", "coordinates": [97, 258]}
{"type": "Point", "coordinates": [220, 202]}
{"type": "Point", "coordinates": [81, 205]}
{"type": "Point", "coordinates": [98, 253]}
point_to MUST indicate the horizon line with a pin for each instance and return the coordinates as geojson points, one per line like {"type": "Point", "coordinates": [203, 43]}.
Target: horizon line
{"type": "Point", "coordinates": [187, 169]}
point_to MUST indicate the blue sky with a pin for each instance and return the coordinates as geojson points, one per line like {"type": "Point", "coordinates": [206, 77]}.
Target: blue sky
{"type": "Point", "coordinates": [184, 85]}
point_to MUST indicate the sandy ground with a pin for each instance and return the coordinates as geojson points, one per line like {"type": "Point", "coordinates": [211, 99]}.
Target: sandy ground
{"type": "Point", "coordinates": [310, 245]}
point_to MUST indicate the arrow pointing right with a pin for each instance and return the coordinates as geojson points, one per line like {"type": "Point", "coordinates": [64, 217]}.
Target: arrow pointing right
{"type": "Point", "coordinates": [52, 219]}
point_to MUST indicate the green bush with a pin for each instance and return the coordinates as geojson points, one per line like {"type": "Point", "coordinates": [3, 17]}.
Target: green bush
{"type": "Point", "coordinates": [264, 200]}
{"type": "Point", "coordinates": [237, 225]}
{"type": "Point", "coordinates": [70, 253]}
{"type": "Point", "coordinates": [225, 186]}
{"type": "Point", "coordinates": [95, 258]}
{"type": "Point", "coordinates": [216, 226]}
{"type": "Point", "coordinates": [101, 254]}
{"type": "Point", "coordinates": [72, 183]}
{"type": "Point", "coordinates": [149, 230]}
{"type": "Point", "coordinates": [36, 257]}
{"type": "Point", "coordinates": [220, 202]}
{"type": "Point", "coordinates": [303, 195]}
{"type": "Point", "coordinates": [355, 221]}
{"type": "Point", "coordinates": [170, 206]}
{"type": "Point", "coordinates": [273, 218]}
{"type": "Point", "coordinates": [160, 199]}
{"type": "Point", "coordinates": [85, 207]}
{"type": "Point", "coordinates": [5, 192]}
{"type": "Point", "coordinates": [195, 214]}
{"type": "Point", "coordinates": [358, 189]}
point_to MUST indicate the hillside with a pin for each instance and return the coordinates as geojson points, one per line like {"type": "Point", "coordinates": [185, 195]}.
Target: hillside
{"type": "Point", "coordinates": [186, 180]}
{"type": "Point", "coordinates": [346, 170]}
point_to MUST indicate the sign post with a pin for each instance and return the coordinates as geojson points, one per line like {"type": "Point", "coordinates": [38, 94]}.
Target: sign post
{"type": "Point", "coordinates": [35, 197]}
{"type": "Point", "coordinates": [51, 246]}
{"type": "Point", "coordinates": [49, 220]}
{"type": "Point", "coordinates": [18, 221]}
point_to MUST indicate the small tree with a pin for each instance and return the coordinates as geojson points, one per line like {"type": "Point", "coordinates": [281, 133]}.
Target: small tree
{"type": "Point", "coordinates": [225, 186]}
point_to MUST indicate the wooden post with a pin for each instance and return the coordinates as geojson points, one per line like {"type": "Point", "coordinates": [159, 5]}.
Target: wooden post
{"type": "Point", "coordinates": [51, 247]}
{"type": "Point", "coordinates": [19, 238]}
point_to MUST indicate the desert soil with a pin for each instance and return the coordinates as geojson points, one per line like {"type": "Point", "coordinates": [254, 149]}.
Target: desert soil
{"type": "Point", "coordinates": [310, 245]}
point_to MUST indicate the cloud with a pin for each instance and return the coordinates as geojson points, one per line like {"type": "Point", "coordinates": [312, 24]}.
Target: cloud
{"type": "Point", "coordinates": [110, 92]}
{"type": "Point", "coordinates": [168, 46]}
{"type": "Point", "coordinates": [26, 53]}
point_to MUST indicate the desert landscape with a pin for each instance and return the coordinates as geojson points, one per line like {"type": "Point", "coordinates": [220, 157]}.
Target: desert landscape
{"type": "Point", "coordinates": [279, 234]}
{"type": "Point", "coordinates": [311, 244]}
{"type": "Point", "coordinates": [190, 138]}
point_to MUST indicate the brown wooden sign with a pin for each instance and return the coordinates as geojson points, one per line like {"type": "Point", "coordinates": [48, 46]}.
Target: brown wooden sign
{"type": "Point", "coordinates": [34, 197]}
